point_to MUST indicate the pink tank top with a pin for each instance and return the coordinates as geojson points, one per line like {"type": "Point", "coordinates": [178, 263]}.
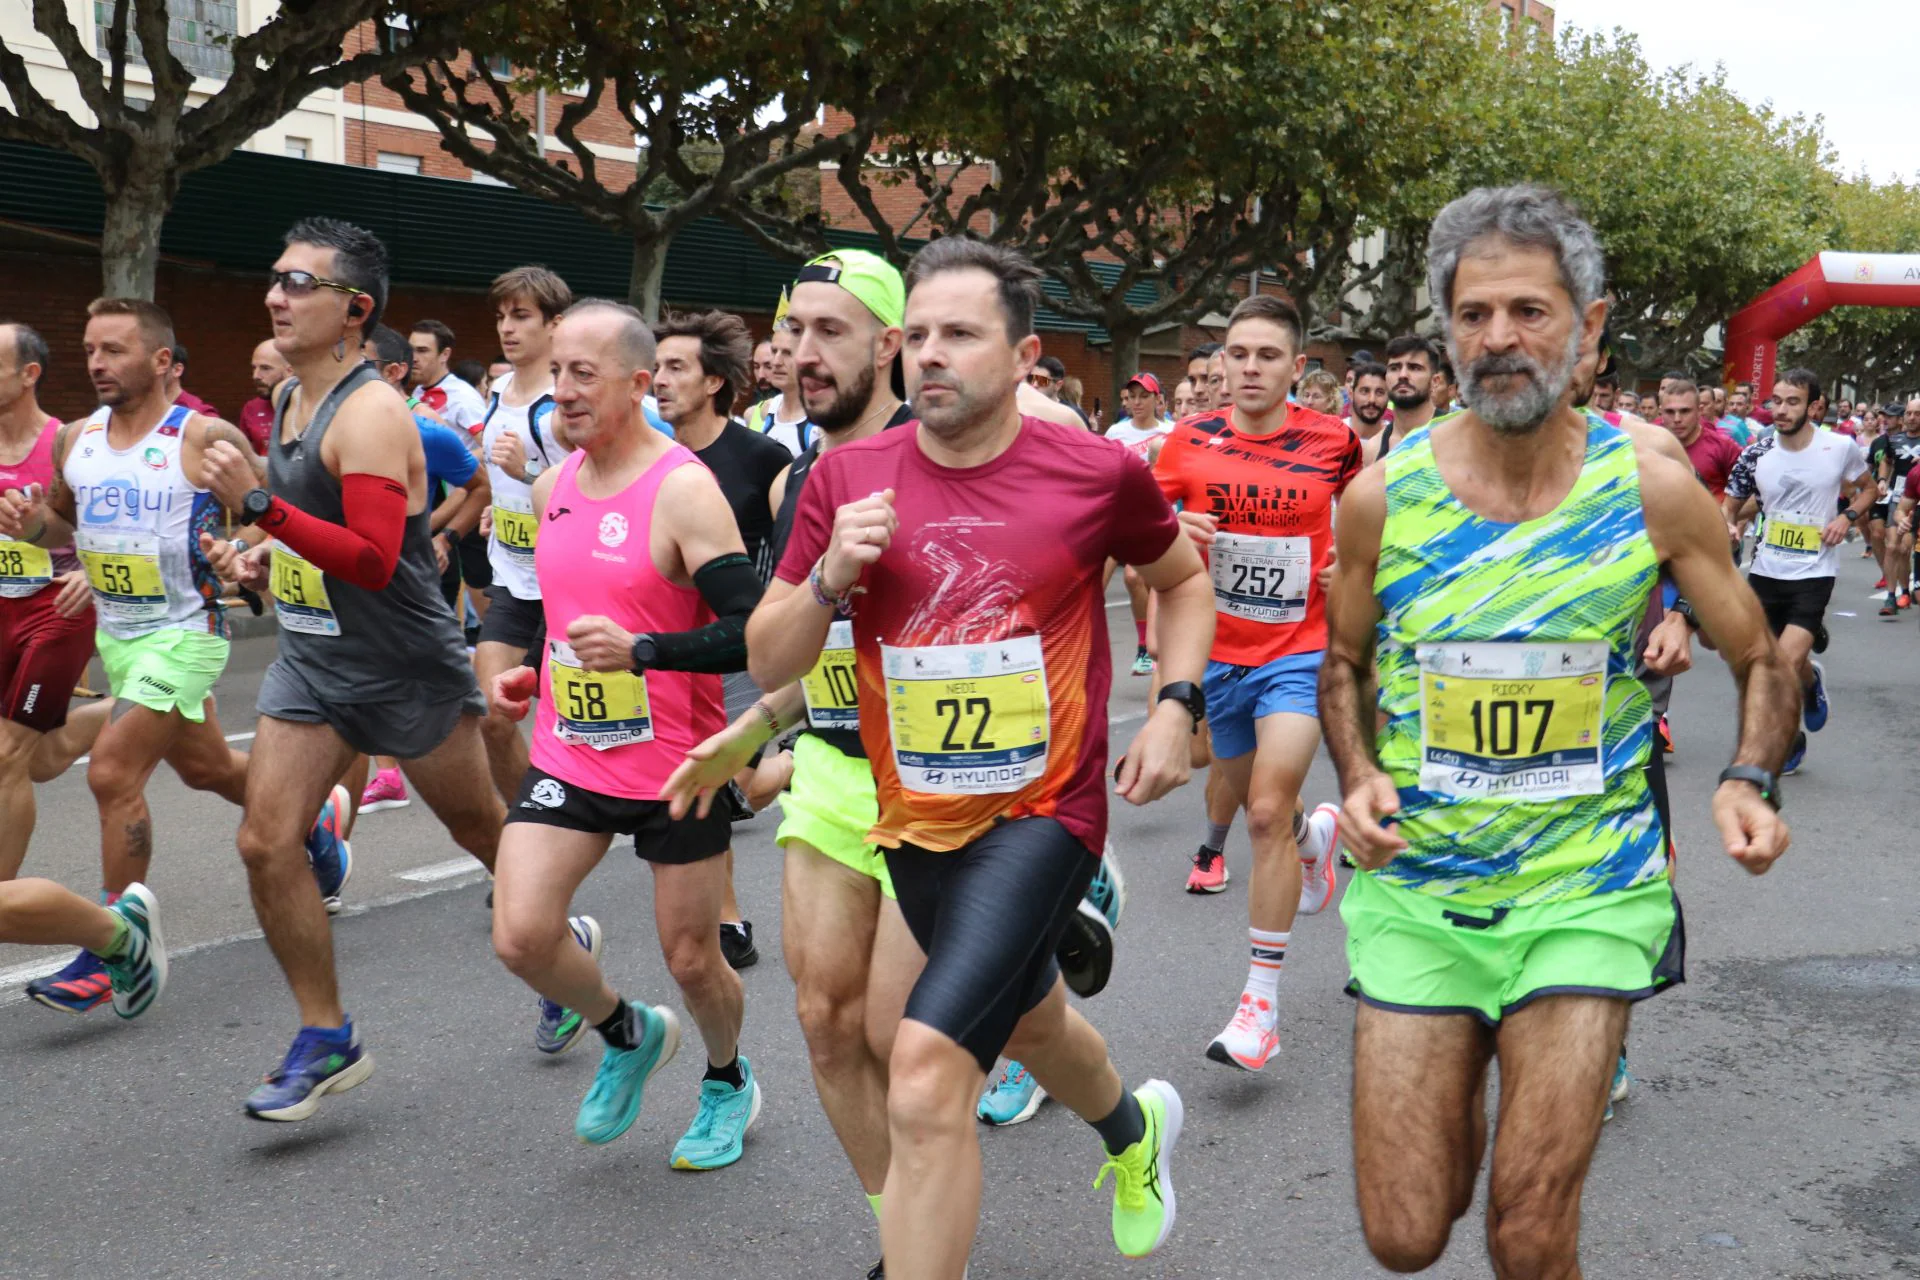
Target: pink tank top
{"type": "Point", "coordinates": [37, 469]}
{"type": "Point", "coordinates": [617, 734]}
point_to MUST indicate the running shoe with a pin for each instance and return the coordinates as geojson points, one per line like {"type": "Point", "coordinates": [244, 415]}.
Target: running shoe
{"type": "Point", "coordinates": [1143, 1202]}
{"type": "Point", "coordinates": [1890, 609]}
{"type": "Point", "coordinates": [139, 972]}
{"type": "Point", "coordinates": [1882, 584]}
{"type": "Point", "coordinates": [1108, 891]}
{"type": "Point", "coordinates": [1622, 1085]}
{"type": "Point", "coordinates": [1085, 953]}
{"type": "Point", "coordinates": [1251, 1039]}
{"type": "Point", "coordinates": [1317, 885]}
{"type": "Point", "coordinates": [1014, 1097]}
{"type": "Point", "coordinates": [718, 1133]}
{"type": "Point", "coordinates": [1815, 710]}
{"type": "Point", "coordinates": [1904, 600]}
{"type": "Point", "coordinates": [321, 1061]}
{"type": "Point", "coordinates": [1820, 638]}
{"type": "Point", "coordinates": [560, 1027]}
{"type": "Point", "coordinates": [82, 986]}
{"type": "Point", "coordinates": [1665, 733]}
{"type": "Point", "coordinates": [1142, 663]}
{"type": "Point", "coordinates": [330, 856]}
{"type": "Point", "coordinates": [1796, 756]}
{"type": "Point", "coordinates": [1209, 874]}
{"type": "Point", "coordinates": [612, 1104]}
{"type": "Point", "coordinates": [736, 944]}
{"type": "Point", "coordinates": [387, 789]}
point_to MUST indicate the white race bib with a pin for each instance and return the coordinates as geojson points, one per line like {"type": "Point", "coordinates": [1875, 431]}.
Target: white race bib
{"type": "Point", "coordinates": [968, 719]}
{"type": "Point", "coordinates": [1261, 579]}
{"type": "Point", "coordinates": [1512, 721]}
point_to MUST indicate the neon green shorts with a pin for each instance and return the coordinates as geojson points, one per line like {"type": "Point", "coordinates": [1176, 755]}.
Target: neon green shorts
{"type": "Point", "coordinates": [167, 670]}
{"type": "Point", "coordinates": [1413, 953]}
{"type": "Point", "coordinates": [831, 805]}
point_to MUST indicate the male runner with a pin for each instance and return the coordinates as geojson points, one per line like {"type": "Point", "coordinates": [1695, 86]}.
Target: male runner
{"type": "Point", "coordinates": [1197, 372]}
{"type": "Point", "coordinates": [439, 388]}
{"type": "Point", "coordinates": [130, 489]}
{"type": "Point", "coordinates": [1411, 363]}
{"type": "Point", "coordinates": [643, 581]}
{"type": "Point", "coordinates": [371, 659]}
{"type": "Point", "coordinates": [1711, 451]}
{"type": "Point", "coordinates": [1898, 455]}
{"type": "Point", "coordinates": [1256, 483]}
{"type": "Point", "coordinates": [1515, 896]}
{"type": "Point", "coordinates": [969, 553]}
{"type": "Point", "coordinates": [256, 415]}
{"type": "Point", "coordinates": [782, 416]}
{"type": "Point", "coordinates": [1606, 387]}
{"type": "Point", "coordinates": [1143, 430]}
{"type": "Point", "coordinates": [1367, 408]}
{"type": "Point", "coordinates": [1737, 423]}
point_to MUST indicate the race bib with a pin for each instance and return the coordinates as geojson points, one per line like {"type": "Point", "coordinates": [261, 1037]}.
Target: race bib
{"type": "Point", "coordinates": [300, 595]}
{"type": "Point", "coordinates": [24, 569]}
{"type": "Point", "coordinates": [1261, 579]}
{"type": "Point", "coordinates": [515, 526]}
{"type": "Point", "coordinates": [1792, 535]}
{"type": "Point", "coordinates": [968, 719]}
{"type": "Point", "coordinates": [124, 570]}
{"type": "Point", "coordinates": [598, 709]}
{"type": "Point", "coordinates": [832, 688]}
{"type": "Point", "coordinates": [1512, 721]}
{"type": "Point", "coordinates": [1898, 489]}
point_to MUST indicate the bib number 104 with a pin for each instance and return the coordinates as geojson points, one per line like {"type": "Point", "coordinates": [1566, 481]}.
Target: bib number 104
{"type": "Point", "coordinates": [1498, 725]}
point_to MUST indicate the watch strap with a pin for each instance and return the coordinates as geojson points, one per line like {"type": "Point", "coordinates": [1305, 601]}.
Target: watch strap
{"type": "Point", "coordinates": [1768, 785]}
{"type": "Point", "coordinates": [1189, 695]}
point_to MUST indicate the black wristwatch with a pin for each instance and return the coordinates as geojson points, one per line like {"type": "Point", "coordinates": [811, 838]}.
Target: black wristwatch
{"type": "Point", "coordinates": [1685, 610]}
{"type": "Point", "coordinates": [1853, 517]}
{"type": "Point", "coordinates": [1188, 695]}
{"type": "Point", "coordinates": [254, 505]}
{"type": "Point", "coordinates": [644, 652]}
{"type": "Point", "coordinates": [1768, 785]}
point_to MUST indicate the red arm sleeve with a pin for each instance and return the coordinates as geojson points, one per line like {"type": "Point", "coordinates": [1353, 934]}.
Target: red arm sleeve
{"type": "Point", "coordinates": [367, 549]}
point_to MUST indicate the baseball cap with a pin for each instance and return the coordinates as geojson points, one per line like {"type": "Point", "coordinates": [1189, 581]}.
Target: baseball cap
{"type": "Point", "coordinates": [867, 276]}
{"type": "Point", "coordinates": [1147, 380]}
{"type": "Point", "coordinates": [1893, 409]}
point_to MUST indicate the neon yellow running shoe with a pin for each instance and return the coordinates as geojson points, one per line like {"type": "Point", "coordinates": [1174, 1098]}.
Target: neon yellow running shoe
{"type": "Point", "coordinates": [1143, 1206]}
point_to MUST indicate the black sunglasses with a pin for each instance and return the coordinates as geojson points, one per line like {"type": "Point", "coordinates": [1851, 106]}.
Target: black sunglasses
{"type": "Point", "coordinates": [298, 284]}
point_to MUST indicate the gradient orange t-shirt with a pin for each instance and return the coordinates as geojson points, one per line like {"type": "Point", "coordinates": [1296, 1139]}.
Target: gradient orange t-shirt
{"type": "Point", "coordinates": [980, 641]}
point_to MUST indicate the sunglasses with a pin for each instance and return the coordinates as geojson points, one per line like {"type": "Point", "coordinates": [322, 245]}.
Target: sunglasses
{"type": "Point", "coordinates": [299, 284]}
{"type": "Point", "coordinates": [1039, 379]}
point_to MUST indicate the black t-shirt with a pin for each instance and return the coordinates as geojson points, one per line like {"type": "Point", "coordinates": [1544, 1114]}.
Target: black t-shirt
{"type": "Point", "coordinates": [746, 464]}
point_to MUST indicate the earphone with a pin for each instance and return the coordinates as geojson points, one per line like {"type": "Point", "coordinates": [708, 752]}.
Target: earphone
{"type": "Point", "coordinates": [355, 310]}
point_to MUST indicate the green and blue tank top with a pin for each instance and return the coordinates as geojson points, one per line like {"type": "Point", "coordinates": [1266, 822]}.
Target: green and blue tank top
{"type": "Point", "coordinates": [1516, 732]}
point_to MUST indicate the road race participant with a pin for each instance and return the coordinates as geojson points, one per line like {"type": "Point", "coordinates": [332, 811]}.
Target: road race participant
{"type": "Point", "coordinates": [969, 552]}
{"type": "Point", "coordinates": [130, 491]}
{"type": "Point", "coordinates": [1256, 483]}
{"type": "Point", "coordinates": [1898, 457]}
{"type": "Point", "coordinates": [1470, 936]}
{"type": "Point", "coordinates": [371, 660]}
{"type": "Point", "coordinates": [440, 389]}
{"type": "Point", "coordinates": [46, 614]}
{"type": "Point", "coordinates": [1796, 476]}
{"type": "Point", "coordinates": [1710, 450]}
{"type": "Point", "coordinates": [782, 416]}
{"type": "Point", "coordinates": [1412, 365]}
{"type": "Point", "coordinates": [1143, 430]}
{"type": "Point", "coordinates": [703, 367]}
{"type": "Point", "coordinates": [1906, 519]}
{"type": "Point", "coordinates": [1367, 407]}
{"type": "Point", "coordinates": [124, 939]}
{"type": "Point", "coordinates": [643, 581]}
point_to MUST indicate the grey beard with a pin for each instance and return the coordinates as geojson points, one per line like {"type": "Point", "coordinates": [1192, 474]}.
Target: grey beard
{"type": "Point", "coordinates": [1525, 409]}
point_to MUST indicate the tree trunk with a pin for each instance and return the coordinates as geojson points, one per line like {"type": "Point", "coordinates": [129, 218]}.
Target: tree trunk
{"type": "Point", "coordinates": [649, 268]}
{"type": "Point", "coordinates": [130, 238]}
{"type": "Point", "coordinates": [1126, 363]}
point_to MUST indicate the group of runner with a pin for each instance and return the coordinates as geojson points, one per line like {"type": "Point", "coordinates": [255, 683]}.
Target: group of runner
{"type": "Point", "coordinates": [920, 594]}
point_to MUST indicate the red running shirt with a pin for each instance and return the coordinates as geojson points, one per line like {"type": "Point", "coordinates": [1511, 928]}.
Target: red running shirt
{"type": "Point", "coordinates": [1273, 496]}
{"type": "Point", "coordinates": [980, 643]}
{"type": "Point", "coordinates": [1713, 453]}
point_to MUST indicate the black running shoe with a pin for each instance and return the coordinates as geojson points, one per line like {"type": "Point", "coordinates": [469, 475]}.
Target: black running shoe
{"type": "Point", "coordinates": [736, 944]}
{"type": "Point", "coordinates": [1085, 952]}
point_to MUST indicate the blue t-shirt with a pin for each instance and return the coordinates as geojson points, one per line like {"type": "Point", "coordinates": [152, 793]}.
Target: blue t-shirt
{"type": "Point", "coordinates": [449, 461]}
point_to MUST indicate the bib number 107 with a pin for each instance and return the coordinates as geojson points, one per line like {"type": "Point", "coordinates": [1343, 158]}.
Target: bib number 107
{"type": "Point", "coordinates": [956, 711]}
{"type": "Point", "coordinates": [1497, 725]}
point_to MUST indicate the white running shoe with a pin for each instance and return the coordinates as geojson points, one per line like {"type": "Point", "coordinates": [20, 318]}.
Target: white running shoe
{"type": "Point", "coordinates": [1317, 860]}
{"type": "Point", "coordinates": [1251, 1039]}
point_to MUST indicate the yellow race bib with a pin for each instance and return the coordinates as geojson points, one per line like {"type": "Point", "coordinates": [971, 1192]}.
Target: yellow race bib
{"type": "Point", "coordinates": [515, 530]}
{"type": "Point", "coordinates": [24, 568]}
{"type": "Point", "coordinates": [124, 571]}
{"type": "Point", "coordinates": [300, 595]}
{"type": "Point", "coordinates": [598, 709]}
{"type": "Point", "coordinates": [968, 719]}
{"type": "Point", "coordinates": [832, 688]}
{"type": "Point", "coordinates": [1513, 721]}
{"type": "Point", "coordinates": [1793, 539]}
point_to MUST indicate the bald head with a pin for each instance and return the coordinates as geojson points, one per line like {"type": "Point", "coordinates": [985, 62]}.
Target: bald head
{"type": "Point", "coordinates": [603, 359]}
{"type": "Point", "coordinates": [625, 333]}
{"type": "Point", "coordinates": [269, 368]}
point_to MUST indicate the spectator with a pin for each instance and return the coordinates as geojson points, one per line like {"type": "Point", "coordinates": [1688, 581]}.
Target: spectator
{"type": "Point", "coordinates": [176, 376]}
{"type": "Point", "coordinates": [1183, 399]}
{"type": "Point", "coordinates": [256, 415]}
{"type": "Point", "coordinates": [1073, 395]}
{"type": "Point", "coordinates": [435, 383]}
{"type": "Point", "coordinates": [1320, 391]}
{"type": "Point", "coordinates": [1049, 378]}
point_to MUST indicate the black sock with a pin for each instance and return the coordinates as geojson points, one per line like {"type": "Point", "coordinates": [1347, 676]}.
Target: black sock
{"type": "Point", "coordinates": [1125, 1125]}
{"type": "Point", "coordinates": [730, 1075]}
{"type": "Point", "coordinates": [621, 1029]}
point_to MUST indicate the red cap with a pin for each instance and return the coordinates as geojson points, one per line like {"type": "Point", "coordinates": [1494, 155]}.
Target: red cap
{"type": "Point", "coordinates": [1146, 380]}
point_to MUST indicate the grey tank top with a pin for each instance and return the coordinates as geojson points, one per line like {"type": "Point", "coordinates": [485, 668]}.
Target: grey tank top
{"type": "Point", "coordinates": [400, 643]}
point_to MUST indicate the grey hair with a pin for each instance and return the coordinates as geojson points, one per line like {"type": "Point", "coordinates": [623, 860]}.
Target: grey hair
{"type": "Point", "coordinates": [1527, 215]}
{"type": "Point", "coordinates": [28, 346]}
{"type": "Point", "coordinates": [633, 342]}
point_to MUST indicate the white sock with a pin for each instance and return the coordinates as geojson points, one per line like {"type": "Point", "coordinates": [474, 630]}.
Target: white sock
{"type": "Point", "coordinates": [1263, 973]}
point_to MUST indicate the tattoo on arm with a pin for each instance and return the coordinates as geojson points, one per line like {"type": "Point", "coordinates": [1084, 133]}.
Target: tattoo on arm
{"type": "Point", "coordinates": [219, 429]}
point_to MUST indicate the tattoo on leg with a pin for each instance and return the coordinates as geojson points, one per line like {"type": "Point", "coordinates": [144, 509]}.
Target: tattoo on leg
{"type": "Point", "coordinates": [140, 839]}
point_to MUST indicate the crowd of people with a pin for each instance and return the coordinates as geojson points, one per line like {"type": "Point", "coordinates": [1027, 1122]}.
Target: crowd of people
{"type": "Point", "coordinates": [876, 593]}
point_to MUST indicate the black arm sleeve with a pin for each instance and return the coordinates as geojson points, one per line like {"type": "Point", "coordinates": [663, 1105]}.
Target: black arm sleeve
{"type": "Point", "coordinates": [731, 589]}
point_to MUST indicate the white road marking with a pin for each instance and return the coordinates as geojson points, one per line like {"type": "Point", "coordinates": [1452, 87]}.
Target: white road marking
{"type": "Point", "coordinates": [232, 737]}
{"type": "Point", "coordinates": [442, 870]}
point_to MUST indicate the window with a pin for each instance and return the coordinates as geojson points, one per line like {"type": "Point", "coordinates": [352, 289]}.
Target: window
{"type": "Point", "coordinates": [399, 162]}
{"type": "Point", "coordinates": [501, 66]}
{"type": "Point", "coordinates": [396, 32]}
{"type": "Point", "coordinates": [485, 179]}
{"type": "Point", "coordinates": [199, 33]}
{"type": "Point", "coordinates": [1508, 18]}
{"type": "Point", "coordinates": [299, 148]}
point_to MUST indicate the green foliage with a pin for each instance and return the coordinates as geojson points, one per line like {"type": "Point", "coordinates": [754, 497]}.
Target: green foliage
{"type": "Point", "coordinates": [1876, 350]}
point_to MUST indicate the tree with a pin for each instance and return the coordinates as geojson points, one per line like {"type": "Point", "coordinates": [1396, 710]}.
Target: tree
{"type": "Point", "coordinates": [142, 149]}
{"type": "Point", "coordinates": [720, 97]}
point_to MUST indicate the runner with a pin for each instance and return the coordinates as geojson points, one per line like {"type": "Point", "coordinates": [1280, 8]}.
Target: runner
{"type": "Point", "coordinates": [371, 660]}
{"type": "Point", "coordinates": [1412, 362]}
{"type": "Point", "coordinates": [782, 416]}
{"type": "Point", "coordinates": [1710, 450]}
{"type": "Point", "coordinates": [1144, 431]}
{"type": "Point", "coordinates": [1256, 482]}
{"type": "Point", "coordinates": [969, 553]}
{"type": "Point", "coordinates": [130, 489]}
{"type": "Point", "coordinates": [1367, 408]}
{"type": "Point", "coordinates": [124, 938]}
{"type": "Point", "coordinates": [643, 580]}
{"type": "Point", "coordinates": [1566, 930]}
{"type": "Point", "coordinates": [1899, 452]}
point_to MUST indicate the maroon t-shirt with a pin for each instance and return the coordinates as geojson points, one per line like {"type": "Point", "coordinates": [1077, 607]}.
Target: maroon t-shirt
{"type": "Point", "coordinates": [1010, 550]}
{"type": "Point", "coordinates": [256, 419]}
{"type": "Point", "coordinates": [1713, 453]}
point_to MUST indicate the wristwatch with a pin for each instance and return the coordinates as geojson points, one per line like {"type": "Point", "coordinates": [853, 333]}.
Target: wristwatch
{"type": "Point", "coordinates": [1853, 517]}
{"type": "Point", "coordinates": [1768, 785]}
{"type": "Point", "coordinates": [1188, 695]}
{"type": "Point", "coordinates": [644, 651]}
{"type": "Point", "coordinates": [254, 505]}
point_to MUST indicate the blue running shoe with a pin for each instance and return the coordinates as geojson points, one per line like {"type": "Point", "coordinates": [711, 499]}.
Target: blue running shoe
{"type": "Point", "coordinates": [560, 1027]}
{"type": "Point", "coordinates": [139, 972]}
{"type": "Point", "coordinates": [718, 1133]}
{"type": "Point", "coordinates": [1796, 756]}
{"type": "Point", "coordinates": [1108, 892]}
{"type": "Point", "coordinates": [322, 1061]}
{"type": "Point", "coordinates": [1815, 711]}
{"type": "Point", "coordinates": [330, 856]}
{"type": "Point", "coordinates": [1621, 1086]}
{"type": "Point", "coordinates": [83, 985]}
{"type": "Point", "coordinates": [1014, 1097]}
{"type": "Point", "coordinates": [612, 1104]}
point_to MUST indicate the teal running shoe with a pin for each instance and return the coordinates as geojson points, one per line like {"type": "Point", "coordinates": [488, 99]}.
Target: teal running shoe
{"type": "Point", "coordinates": [1621, 1086]}
{"type": "Point", "coordinates": [718, 1133]}
{"type": "Point", "coordinates": [1014, 1097]}
{"type": "Point", "coordinates": [1108, 892]}
{"type": "Point", "coordinates": [613, 1103]}
{"type": "Point", "coordinates": [139, 973]}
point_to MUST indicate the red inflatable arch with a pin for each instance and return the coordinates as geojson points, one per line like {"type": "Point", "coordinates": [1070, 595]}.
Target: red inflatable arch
{"type": "Point", "coordinates": [1830, 280]}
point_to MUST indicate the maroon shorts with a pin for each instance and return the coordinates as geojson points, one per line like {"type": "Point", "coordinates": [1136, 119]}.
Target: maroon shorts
{"type": "Point", "coordinates": [42, 657]}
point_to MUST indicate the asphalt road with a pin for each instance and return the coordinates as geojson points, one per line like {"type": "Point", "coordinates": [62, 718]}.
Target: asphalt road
{"type": "Point", "coordinates": [1774, 1130]}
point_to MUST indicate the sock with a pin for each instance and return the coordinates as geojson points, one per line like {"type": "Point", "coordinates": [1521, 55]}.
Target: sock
{"type": "Point", "coordinates": [621, 1030]}
{"type": "Point", "coordinates": [1315, 842]}
{"type": "Point", "coordinates": [729, 1075]}
{"type": "Point", "coordinates": [342, 1034]}
{"type": "Point", "coordinates": [1263, 974]}
{"type": "Point", "coordinates": [1217, 834]}
{"type": "Point", "coordinates": [1299, 826]}
{"type": "Point", "coordinates": [109, 896]}
{"type": "Point", "coordinates": [1140, 632]}
{"type": "Point", "coordinates": [121, 932]}
{"type": "Point", "coordinates": [1123, 1126]}
{"type": "Point", "coordinates": [873, 1203]}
